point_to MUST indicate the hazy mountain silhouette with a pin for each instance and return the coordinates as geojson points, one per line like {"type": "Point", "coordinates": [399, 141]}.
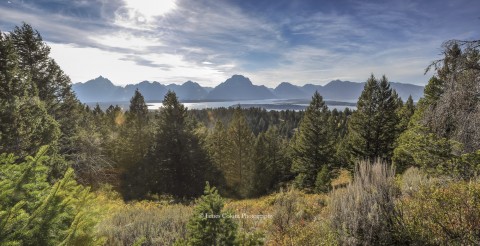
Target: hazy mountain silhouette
{"type": "Point", "coordinates": [237, 87]}
{"type": "Point", "coordinates": [337, 90]}
{"type": "Point", "coordinates": [149, 90]}
{"type": "Point", "coordinates": [404, 90]}
{"type": "Point", "coordinates": [189, 91]}
{"type": "Point", "coordinates": [96, 90]}
{"type": "Point", "coordinates": [289, 91]}
{"type": "Point", "coordinates": [103, 90]}
{"type": "Point", "coordinates": [348, 91]}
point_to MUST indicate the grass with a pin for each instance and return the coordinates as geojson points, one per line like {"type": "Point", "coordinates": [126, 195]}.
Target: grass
{"type": "Point", "coordinates": [374, 208]}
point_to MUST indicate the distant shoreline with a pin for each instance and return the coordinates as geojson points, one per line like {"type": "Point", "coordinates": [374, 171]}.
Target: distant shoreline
{"type": "Point", "coordinates": [268, 104]}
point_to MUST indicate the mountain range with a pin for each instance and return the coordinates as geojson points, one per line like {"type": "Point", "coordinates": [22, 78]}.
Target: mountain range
{"type": "Point", "coordinates": [237, 87]}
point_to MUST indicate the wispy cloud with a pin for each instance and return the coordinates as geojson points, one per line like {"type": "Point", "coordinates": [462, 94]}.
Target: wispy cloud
{"type": "Point", "coordinates": [208, 41]}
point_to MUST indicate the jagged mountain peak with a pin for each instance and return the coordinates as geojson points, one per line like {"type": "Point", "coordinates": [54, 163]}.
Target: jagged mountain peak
{"type": "Point", "coordinates": [238, 79]}
{"type": "Point", "coordinates": [99, 80]}
{"type": "Point", "coordinates": [285, 84]}
{"type": "Point", "coordinates": [239, 87]}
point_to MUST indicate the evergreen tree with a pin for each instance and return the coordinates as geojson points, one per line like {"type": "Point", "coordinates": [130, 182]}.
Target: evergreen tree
{"type": "Point", "coordinates": [239, 164]}
{"type": "Point", "coordinates": [216, 145]}
{"type": "Point", "coordinates": [13, 83]}
{"type": "Point", "coordinates": [210, 225]}
{"type": "Point", "coordinates": [322, 182]}
{"type": "Point", "coordinates": [339, 119]}
{"type": "Point", "coordinates": [404, 115]}
{"type": "Point", "coordinates": [53, 86]}
{"type": "Point", "coordinates": [138, 127]}
{"type": "Point", "coordinates": [270, 164]}
{"type": "Point", "coordinates": [25, 126]}
{"type": "Point", "coordinates": [433, 90]}
{"type": "Point", "coordinates": [24, 122]}
{"type": "Point", "coordinates": [50, 84]}
{"type": "Point", "coordinates": [135, 140]}
{"type": "Point", "coordinates": [418, 146]}
{"type": "Point", "coordinates": [34, 212]}
{"type": "Point", "coordinates": [176, 164]}
{"type": "Point", "coordinates": [313, 146]}
{"type": "Point", "coordinates": [372, 128]}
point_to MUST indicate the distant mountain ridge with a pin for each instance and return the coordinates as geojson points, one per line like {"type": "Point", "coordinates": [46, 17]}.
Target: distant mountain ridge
{"type": "Point", "coordinates": [102, 89]}
{"type": "Point", "coordinates": [237, 87]}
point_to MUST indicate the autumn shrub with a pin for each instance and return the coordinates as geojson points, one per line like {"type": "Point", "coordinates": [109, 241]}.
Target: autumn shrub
{"type": "Point", "coordinates": [442, 212]}
{"type": "Point", "coordinates": [342, 179]}
{"type": "Point", "coordinates": [293, 218]}
{"type": "Point", "coordinates": [145, 223]}
{"type": "Point", "coordinates": [364, 212]}
{"type": "Point", "coordinates": [296, 219]}
{"type": "Point", "coordinates": [251, 229]}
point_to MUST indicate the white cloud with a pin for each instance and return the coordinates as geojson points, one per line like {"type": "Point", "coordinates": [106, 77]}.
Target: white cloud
{"type": "Point", "coordinates": [151, 8]}
{"type": "Point", "coordinates": [306, 64]}
{"type": "Point", "coordinates": [127, 40]}
{"type": "Point", "coordinates": [88, 63]}
{"type": "Point", "coordinates": [142, 14]}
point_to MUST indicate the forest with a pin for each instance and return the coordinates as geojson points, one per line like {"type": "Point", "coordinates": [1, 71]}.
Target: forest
{"type": "Point", "coordinates": [391, 172]}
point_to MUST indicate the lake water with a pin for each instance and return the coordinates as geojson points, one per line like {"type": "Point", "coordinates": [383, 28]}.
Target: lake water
{"type": "Point", "coordinates": [268, 104]}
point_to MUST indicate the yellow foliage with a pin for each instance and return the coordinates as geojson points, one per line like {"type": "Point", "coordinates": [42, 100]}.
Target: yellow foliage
{"type": "Point", "coordinates": [342, 180]}
{"type": "Point", "coordinates": [292, 218]}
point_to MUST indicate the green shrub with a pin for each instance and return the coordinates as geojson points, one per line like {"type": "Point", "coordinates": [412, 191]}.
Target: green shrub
{"type": "Point", "coordinates": [466, 166]}
{"type": "Point", "coordinates": [443, 212]}
{"type": "Point", "coordinates": [210, 225]}
{"type": "Point", "coordinates": [412, 180]}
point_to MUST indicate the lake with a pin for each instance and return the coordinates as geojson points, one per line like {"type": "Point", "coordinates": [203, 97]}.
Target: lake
{"type": "Point", "coordinates": [268, 104]}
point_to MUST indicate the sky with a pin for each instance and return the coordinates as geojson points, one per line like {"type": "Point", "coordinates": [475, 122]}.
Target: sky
{"type": "Point", "coordinates": [208, 41]}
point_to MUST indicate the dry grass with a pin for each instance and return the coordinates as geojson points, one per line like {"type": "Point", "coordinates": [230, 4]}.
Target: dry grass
{"type": "Point", "coordinates": [151, 223]}
{"type": "Point", "coordinates": [373, 209]}
{"type": "Point", "coordinates": [295, 218]}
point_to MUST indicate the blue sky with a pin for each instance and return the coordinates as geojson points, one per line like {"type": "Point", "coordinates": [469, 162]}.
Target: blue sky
{"type": "Point", "coordinates": [172, 41]}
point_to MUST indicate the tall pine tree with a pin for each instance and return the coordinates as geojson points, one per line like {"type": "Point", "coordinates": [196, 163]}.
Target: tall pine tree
{"type": "Point", "coordinates": [50, 84]}
{"type": "Point", "coordinates": [134, 141]}
{"type": "Point", "coordinates": [313, 145]}
{"type": "Point", "coordinates": [25, 124]}
{"type": "Point", "coordinates": [270, 163]}
{"type": "Point", "coordinates": [372, 128]}
{"type": "Point", "coordinates": [176, 164]}
{"type": "Point", "coordinates": [405, 114]}
{"type": "Point", "coordinates": [138, 127]}
{"type": "Point", "coordinates": [239, 155]}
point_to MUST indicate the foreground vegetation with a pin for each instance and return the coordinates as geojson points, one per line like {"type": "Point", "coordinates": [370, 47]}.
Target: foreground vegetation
{"type": "Point", "coordinates": [389, 173]}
